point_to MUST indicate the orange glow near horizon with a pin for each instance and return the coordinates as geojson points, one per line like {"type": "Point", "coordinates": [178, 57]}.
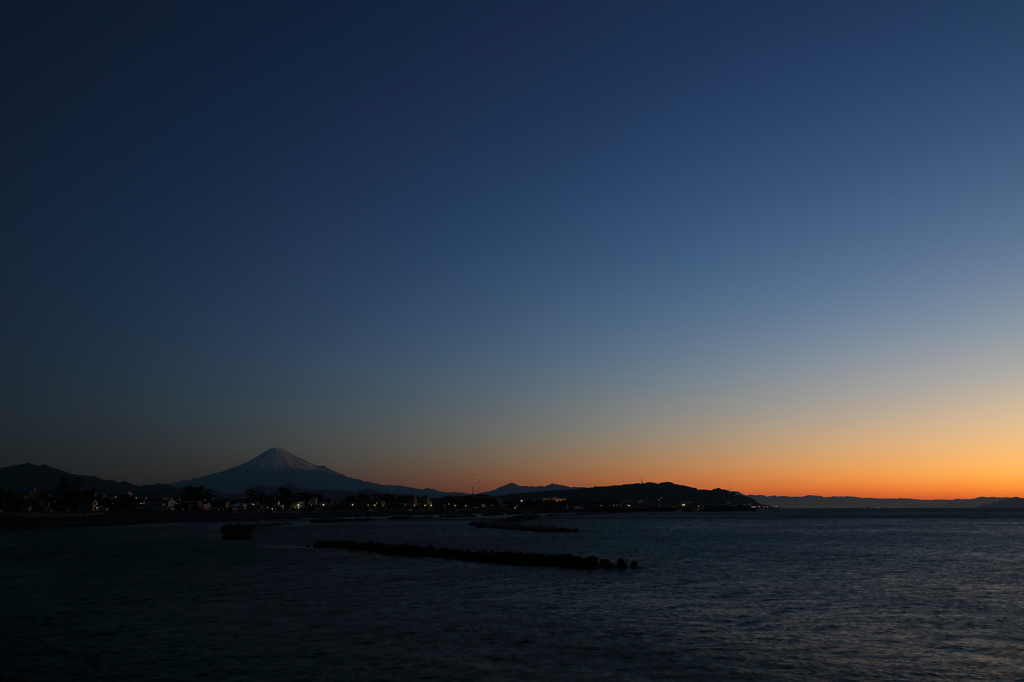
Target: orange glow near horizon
{"type": "Point", "coordinates": [899, 431]}
{"type": "Point", "coordinates": [920, 459]}
{"type": "Point", "coordinates": [855, 470]}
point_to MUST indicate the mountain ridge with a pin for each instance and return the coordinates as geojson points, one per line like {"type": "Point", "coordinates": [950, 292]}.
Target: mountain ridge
{"type": "Point", "coordinates": [652, 493]}
{"type": "Point", "coordinates": [23, 477]}
{"type": "Point", "coordinates": [848, 502]}
{"type": "Point", "coordinates": [515, 489]}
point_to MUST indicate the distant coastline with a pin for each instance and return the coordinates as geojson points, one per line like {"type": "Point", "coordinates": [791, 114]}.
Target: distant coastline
{"type": "Point", "coordinates": [846, 502]}
{"type": "Point", "coordinates": [268, 484]}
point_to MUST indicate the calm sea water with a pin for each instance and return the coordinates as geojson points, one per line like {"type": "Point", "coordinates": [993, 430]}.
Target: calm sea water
{"type": "Point", "coordinates": [849, 595]}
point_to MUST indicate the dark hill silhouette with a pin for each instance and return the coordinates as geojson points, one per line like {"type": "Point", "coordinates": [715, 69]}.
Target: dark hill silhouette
{"type": "Point", "coordinates": [277, 467]}
{"type": "Point", "coordinates": [327, 494]}
{"type": "Point", "coordinates": [819, 502]}
{"type": "Point", "coordinates": [648, 493]}
{"type": "Point", "coordinates": [513, 489]}
{"type": "Point", "coordinates": [23, 477]}
{"type": "Point", "coordinates": [1007, 503]}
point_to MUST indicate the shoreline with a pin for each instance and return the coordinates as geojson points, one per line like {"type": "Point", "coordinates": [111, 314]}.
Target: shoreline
{"type": "Point", "coordinates": [10, 521]}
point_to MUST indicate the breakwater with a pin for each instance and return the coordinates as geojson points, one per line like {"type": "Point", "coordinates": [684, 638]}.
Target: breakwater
{"type": "Point", "coordinates": [520, 525]}
{"type": "Point", "coordinates": [483, 556]}
{"type": "Point", "coordinates": [242, 531]}
{"type": "Point", "coordinates": [237, 531]}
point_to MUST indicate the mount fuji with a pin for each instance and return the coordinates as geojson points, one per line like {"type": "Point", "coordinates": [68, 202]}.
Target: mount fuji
{"type": "Point", "coordinates": [277, 467]}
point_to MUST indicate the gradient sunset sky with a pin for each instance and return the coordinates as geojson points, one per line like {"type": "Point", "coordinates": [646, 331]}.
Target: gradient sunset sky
{"type": "Point", "coordinates": [771, 247]}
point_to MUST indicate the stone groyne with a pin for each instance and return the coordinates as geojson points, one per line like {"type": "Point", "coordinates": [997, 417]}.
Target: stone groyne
{"type": "Point", "coordinates": [243, 531]}
{"type": "Point", "coordinates": [482, 556]}
{"type": "Point", "coordinates": [520, 525]}
{"type": "Point", "coordinates": [237, 531]}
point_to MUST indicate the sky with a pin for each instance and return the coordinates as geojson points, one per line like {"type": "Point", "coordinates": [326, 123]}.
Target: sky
{"type": "Point", "coordinates": [765, 246]}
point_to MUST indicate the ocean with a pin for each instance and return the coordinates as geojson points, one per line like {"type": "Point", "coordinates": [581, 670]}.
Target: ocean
{"type": "Point", "coordinates": [767, 595]}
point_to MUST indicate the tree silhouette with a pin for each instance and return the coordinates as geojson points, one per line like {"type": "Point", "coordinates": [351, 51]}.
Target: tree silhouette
{"type": "Point", "coordinates": [287, 498]}
{"type": "Point", "coordinates": [192, 493]}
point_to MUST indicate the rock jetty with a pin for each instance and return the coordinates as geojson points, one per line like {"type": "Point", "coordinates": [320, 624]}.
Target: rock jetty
{"type": "Point", "coordinates": [483, 556]}
{"type": "Point", "coordinates": [521, 523]}
{"type": "Point", "coordinates": [237, 531]}
{"type": "Point", "coordinates": [242, 531]}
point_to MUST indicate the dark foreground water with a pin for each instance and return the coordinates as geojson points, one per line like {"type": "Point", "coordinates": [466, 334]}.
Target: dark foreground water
{"type": "Point", "coordinates": [866, 595]}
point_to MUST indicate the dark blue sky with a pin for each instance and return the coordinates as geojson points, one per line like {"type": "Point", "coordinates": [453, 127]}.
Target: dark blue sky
{"type": "Point", "coordinates": [423, 243]}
